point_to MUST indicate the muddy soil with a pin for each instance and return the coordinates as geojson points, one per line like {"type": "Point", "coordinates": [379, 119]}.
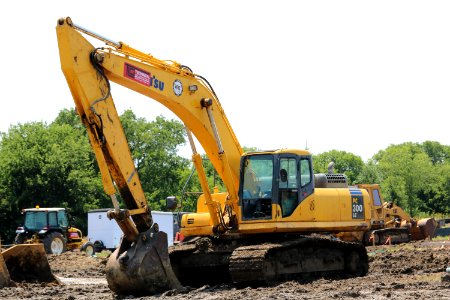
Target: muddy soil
{"type": "Point", "coordinates": [407, 271]}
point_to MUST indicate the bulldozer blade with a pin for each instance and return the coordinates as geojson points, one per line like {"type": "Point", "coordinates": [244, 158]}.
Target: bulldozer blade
{"type": "Point", "coordinates": [425, 229]}
{"type": "Point", "coordinates": [28, 262]}
{"type": "Point", "coordinates": [5, 280]}
{"type": "Point", "coordinates": [142, 267]}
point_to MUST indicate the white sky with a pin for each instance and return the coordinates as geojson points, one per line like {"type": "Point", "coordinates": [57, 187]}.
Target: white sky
{"type": "Point", "coordinates": [347, 75]}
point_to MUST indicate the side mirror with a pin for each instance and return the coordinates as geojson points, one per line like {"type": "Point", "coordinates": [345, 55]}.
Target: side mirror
{"type": "Point", "coordinates": [171, 203]}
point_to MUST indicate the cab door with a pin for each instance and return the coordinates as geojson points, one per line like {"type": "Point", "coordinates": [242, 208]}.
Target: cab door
{"type": "Point", "coordinates": [257, 183]}
{"type": "Point", "coordinates": [294, 182]}
{"type": "Point", "coordinates": [306, 177]}
{"type": "Point", "coordinates": [287, 183]}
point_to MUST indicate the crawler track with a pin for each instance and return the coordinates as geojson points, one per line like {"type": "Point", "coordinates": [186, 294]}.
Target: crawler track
{"type": "Point", "coordinates": [296, 258]}
{"type": "Point", "coordinates": [249, 262]}
{"type": "Point", "coordinates": [389, 236]}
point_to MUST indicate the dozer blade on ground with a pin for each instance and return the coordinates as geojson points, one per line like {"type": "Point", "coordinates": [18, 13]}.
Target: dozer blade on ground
{"type": "Point", "coordinates": [424, 229]}
{"type": "Point", "coordinates": [26, 262]}
{"type": "Point", "coordinates": [142, 267]}
{"type": "Point", "coordinates": [5, 280]}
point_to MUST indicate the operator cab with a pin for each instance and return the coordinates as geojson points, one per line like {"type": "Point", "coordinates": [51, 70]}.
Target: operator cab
{"type": "Point", "coordinates": [282, 177]}
{"type": "Point", "coordinates": [38, 218]}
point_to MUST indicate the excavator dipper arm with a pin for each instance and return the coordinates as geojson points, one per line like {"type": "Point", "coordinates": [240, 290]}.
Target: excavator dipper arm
{"type": "Point", "coordinates": [141, 265]}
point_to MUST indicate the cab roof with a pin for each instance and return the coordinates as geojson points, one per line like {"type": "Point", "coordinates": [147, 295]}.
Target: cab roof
{"type": "Point", "coordinates": [44, 209]}
{"type": "Point", "coordinates": [280, 151]}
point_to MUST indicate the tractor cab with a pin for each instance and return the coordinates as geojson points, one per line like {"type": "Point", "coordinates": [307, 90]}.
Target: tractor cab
{"type": "Point", "coordinates": [37, 219]}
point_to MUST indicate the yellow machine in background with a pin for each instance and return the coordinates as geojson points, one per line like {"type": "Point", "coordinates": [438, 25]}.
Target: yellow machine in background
{"type": "Point", "coordinates": [260, 230]}
{"type": "Point", "coordinates": [51, 227]}
{"type": "Point", "coordinates": [391, 224]}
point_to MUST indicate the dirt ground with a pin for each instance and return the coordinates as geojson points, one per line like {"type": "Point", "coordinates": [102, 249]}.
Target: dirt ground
{"type": "Point", "coordinates": [408, 271]}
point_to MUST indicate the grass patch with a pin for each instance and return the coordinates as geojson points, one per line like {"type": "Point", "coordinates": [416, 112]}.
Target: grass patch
{"type": "Point", "coordinates": [434, 277]}
{"type": "Point", "coordinates": [401, 247]}
{"type": "Point", "coordinates": [441, 238]}
{"type": "Point", "coordinates": [103, 254]}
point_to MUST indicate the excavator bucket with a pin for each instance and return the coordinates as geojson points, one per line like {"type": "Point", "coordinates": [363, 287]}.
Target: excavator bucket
{"type": "Point", "coordinates": [25, 262]}
{"type": "Point", "coordinates": [143, 267]}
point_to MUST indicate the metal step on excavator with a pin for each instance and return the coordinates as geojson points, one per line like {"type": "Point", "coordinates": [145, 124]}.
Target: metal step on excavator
{"type": "Point", "coordinates": [25, 263]}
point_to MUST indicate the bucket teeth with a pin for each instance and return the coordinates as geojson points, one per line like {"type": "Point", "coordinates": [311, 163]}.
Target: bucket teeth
{"type": "Point", "coordinates": [143, 268]}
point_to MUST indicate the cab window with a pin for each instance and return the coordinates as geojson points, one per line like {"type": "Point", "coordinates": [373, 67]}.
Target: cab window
{"type": "Point", "coordinates": [288, 173]}
{"type": "Point", "coordinates": [257, 187]}
{"type": "Point", "coordinates": [376, 198]}
{"type": "Point", "coordinates": [52, 219]}
{"type": "Point", "coordinates": [288, 186]}
{"type": "Point", "coordinates": [305, 172]}
{"type": "Point", "coordinates": [62, 219]}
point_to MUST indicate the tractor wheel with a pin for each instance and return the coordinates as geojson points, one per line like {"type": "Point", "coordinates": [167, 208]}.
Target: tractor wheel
{"type": "Point", "coordinates": [54, 243]}
{"type": "Point", "coordinates": [99, 246]}
{"type": "Point", "coordinates": [20, 239]}
{"type": "Point", "coordinates": [88, 248]}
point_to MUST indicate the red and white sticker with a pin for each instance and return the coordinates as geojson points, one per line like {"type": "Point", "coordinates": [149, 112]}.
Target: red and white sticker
{"type": "Point", "coordinates": [137, 74]}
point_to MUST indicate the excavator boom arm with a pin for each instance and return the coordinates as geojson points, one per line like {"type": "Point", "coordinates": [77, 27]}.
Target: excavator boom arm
{"type": "Point", "coordinates": [88, 71]}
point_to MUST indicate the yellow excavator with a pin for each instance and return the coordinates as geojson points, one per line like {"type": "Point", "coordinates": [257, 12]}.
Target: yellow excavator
{"type": "Point", "coordinates": [275, 220]}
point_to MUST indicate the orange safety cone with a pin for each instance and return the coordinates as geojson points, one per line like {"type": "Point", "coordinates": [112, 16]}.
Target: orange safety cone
{"type": "Point", "coordinates": [372, 239]}
{"type": "Point", "coordinates": [179, 237]}
{"type": "Point", "coordinates": [388, 241]}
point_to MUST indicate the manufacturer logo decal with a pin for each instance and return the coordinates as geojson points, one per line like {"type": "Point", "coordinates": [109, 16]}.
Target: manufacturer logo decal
{"type": "Point", "coordinates": [177, 87]}
{"type": "Point", "coordinates": [142, 77]}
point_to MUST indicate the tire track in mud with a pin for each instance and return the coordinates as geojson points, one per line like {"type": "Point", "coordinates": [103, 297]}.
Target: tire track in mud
{"type": "Point", "coordinates": [406, 271]}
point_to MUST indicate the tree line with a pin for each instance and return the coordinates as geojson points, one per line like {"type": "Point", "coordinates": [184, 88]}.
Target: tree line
{"type": "Point", "coordinates": [52, 165]}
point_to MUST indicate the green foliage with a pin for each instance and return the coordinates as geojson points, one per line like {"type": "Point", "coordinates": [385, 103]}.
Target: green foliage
{"type": "Point", "coordinates": [153, 146]}
{"type": "Point", "coordinates": [249, 149]}
{"type": "Point", "coordinates": [48, 166]}
{"type": "Point", "coordinates": [71, 118]}
{"type": "Point", "coordinates": [190, 190]}
{"type": "Point", "coordinates": [439, 154]}
{"type": "Point", "coordinates": [345, 162]}
{"type": "Point", "coordinates": [435, 196]}
{"type": "Point", "coordinates": [213, 178]}
{"type": "Point", "coordinates": [417, 176]}
{"type": "Point", "coordinates": [370, 173]}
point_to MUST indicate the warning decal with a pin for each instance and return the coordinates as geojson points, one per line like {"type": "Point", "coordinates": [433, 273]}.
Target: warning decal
{"type": "Point", "coordinates": [143, 77]}
{"type": "Point", "coordinates": [136, 74]}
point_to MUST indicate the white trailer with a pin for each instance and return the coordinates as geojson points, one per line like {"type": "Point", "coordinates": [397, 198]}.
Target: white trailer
{"type": "Point", "coordinates": [105, 233]}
